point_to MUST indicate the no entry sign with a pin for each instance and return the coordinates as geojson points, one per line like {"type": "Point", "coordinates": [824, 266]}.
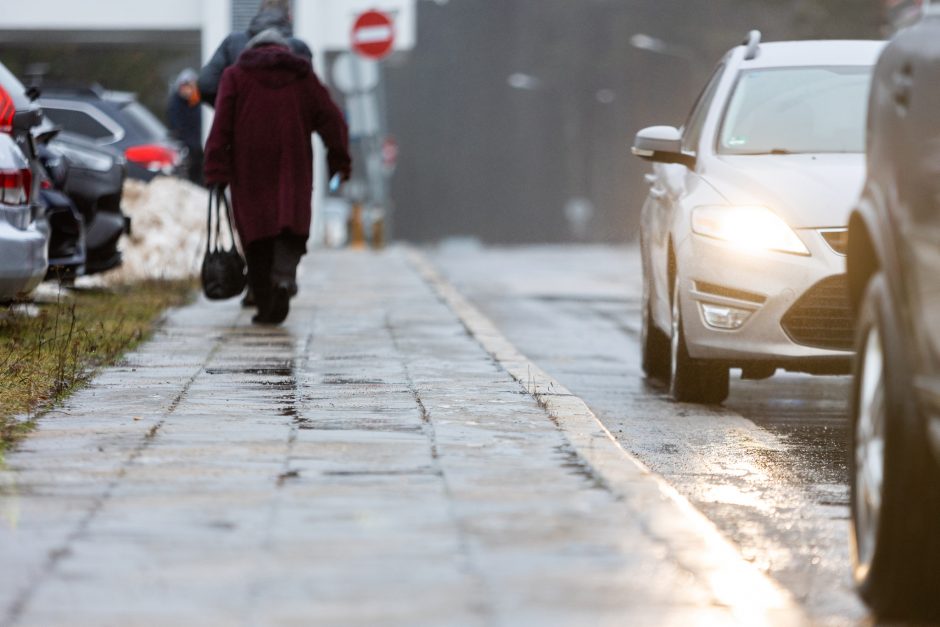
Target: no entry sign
{"type": "Point", "coordinates": [373, 35]}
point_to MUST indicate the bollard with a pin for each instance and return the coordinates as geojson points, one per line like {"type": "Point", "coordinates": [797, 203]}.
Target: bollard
{"type": "Point", "coordinates": [357, 236]}
{"type": "Point", "coordinates": [378, 233]}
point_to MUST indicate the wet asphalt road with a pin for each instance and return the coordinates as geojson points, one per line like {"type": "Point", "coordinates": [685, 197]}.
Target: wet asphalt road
{"type": "Point", "coordinates": [768, 468]}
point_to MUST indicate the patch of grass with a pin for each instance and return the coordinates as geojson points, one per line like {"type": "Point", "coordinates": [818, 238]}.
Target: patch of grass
{"type": "Point", "coordinates": [46, 354]}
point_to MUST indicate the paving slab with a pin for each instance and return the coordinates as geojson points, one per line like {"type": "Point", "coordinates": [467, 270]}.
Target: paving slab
{"type": "Point", "coordinates": [386, 457]}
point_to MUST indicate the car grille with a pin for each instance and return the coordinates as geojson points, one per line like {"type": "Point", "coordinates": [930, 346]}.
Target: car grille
{"type": "Point", "coordinates": [838, 239]}
{"type": "Point", "coordinates": [821, 317]}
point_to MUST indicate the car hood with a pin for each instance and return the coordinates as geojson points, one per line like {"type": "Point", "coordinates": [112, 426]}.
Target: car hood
{"type": "Point", "coordinates": [807, 191]}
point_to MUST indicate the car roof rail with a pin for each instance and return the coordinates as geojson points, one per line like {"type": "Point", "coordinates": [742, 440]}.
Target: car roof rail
{"type": "Point", "coordinates": [752, 45]}
{"type": "Point", "coordinates": [66, 88]}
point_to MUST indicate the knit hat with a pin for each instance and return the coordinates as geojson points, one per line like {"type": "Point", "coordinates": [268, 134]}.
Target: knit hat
{"type": "Point", "coordinates": [188, 75]}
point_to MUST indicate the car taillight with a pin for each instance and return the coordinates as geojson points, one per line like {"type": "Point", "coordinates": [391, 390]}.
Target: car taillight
{"type": "Point", "coordinates": [15, 186]}
{"type": "Point", "coordinates": [7, 111]}
{"type": "Point", "coordinates": [154, 157]}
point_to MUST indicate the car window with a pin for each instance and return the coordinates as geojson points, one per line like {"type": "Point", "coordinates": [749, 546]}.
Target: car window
{"type": "Point", "coordinates": [79, 122]}
{"type": "Point", "coordinates": [143, 122]}
{"type": "Point", "coordinates": [692, 131]}
{"type": "Point", "coordinates": [797, 110]}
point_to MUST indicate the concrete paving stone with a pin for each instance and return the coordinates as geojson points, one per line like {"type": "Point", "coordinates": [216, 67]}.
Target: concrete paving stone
{"type": "Point", "coordinates": [366, 463]}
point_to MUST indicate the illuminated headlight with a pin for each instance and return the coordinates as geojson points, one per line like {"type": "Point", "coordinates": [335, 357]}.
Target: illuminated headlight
{"type": "Point", "coordinates": [747, 228]}
{"type": "Point", "coordinates": [723, 317]}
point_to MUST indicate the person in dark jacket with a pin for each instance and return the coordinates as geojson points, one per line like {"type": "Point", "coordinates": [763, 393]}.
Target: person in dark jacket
{"type": "Point", "coordinates": [185, 120]}
{"type": "Point", "coordinates": [269, 104]}
{"type": "Point", "coordinates": [271, 14]}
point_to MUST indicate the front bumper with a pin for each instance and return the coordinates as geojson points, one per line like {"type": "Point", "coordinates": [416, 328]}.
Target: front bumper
{"type": "Point", "coordinates": [769, 285]}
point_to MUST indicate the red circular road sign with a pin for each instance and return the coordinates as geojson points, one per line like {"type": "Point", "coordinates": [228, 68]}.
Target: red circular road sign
{"type": "Point", "coordinates": [373, 35]}
{"type": "Point", "coordinates": [389, 153]}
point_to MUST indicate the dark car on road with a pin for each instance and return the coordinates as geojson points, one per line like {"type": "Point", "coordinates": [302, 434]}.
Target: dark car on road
{"type": "Point", "coordinates": [894, 285]}
{"type": "Point", "coordinates": [117, 120]}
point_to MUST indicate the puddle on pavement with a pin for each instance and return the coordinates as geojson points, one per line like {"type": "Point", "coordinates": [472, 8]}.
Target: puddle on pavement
{"type": "Point", "coordinates": [351, 357]}
{"type": "Point", "coordinates": [288, 408]}
{"type": "Point", "coordinates": [393, 472]}
{"type": "Point", "coordinates": [346, 424]}
{"type": "Point", "coordinates": [260, 371]}
{"type": "Point", "coordinates": [573, 464]}
{"type": "Point", "coordinates": [581, 299]}
{"type": "Point", "coordinates": [290, 475]}
{"type": "Point", "coordinates": [337, 380]}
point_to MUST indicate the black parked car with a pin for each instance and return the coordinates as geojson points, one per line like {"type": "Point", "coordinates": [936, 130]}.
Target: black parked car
{"type": "Point", "coordinates": [90, 178]}
{"type": "Point", "coordinates": [894, 276]}
{"type": "Point", "coordinates": [117, 120]}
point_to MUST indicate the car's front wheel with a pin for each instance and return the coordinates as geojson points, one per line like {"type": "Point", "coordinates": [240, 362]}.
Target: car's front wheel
{"type": "Point", "coordinates": [693, 380]}
{"type": "Point", "coordinates": [895, 495]}
{"type": "Point", "coordinates": [654, 343]}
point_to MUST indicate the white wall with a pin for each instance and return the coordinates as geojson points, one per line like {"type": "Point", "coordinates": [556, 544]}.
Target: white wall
{"type": "Point", "coordinates": [324, 24]}
{"type": "Point", "coordinates": [102, 14]}
{"type": "Point", "coordinates": [215, 20]}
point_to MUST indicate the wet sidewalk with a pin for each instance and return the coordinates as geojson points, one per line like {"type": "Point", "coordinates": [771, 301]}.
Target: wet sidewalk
{"type": "Point", "coordinates": [380, 459]}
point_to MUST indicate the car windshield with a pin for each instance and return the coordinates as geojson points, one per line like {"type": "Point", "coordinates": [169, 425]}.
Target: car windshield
{"type": "Point", "coordinates": [797, 110]}
{"type": "Point", "coordinates": [144, 122]}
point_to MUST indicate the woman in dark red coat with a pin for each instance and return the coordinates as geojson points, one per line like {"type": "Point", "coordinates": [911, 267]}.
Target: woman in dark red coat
{"type": "Point", "coordinates": [269, 104]}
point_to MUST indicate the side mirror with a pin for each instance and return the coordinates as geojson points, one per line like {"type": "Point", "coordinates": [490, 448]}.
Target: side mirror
{"type": "Point", "coordinates": [26, 119]}
{"type": "Point", "coordinates": [662, 144]}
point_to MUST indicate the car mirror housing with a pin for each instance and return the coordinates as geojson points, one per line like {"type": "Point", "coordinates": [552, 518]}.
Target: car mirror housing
{"type": "Point", "coordinates": [24, 120]}
{"type": "Point", "coordinates": [662, 144]}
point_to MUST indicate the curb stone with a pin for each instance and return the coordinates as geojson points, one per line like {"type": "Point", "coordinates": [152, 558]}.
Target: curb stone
{"type": "Point", "coordinates": [695, 541]}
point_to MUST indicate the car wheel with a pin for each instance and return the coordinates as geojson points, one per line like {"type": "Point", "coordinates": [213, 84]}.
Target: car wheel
{"type": "Point", "coordinates": [895, 496]}
{"type": "Point", "coordinates": [654, 343]}
{"type": "Point", "coordinates": [693, 380]}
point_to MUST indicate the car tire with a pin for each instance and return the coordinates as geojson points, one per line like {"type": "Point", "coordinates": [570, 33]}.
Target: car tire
{"type": "Point", "coordinates": [693, 380]}
{"type": "Point", "coordinates": [654, 343]}
{"type": "Point", "coordinates": [895, 495]}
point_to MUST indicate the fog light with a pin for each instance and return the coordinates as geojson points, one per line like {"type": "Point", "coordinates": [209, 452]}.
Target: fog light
{"type": "Point", "coordinates": [723, 317]}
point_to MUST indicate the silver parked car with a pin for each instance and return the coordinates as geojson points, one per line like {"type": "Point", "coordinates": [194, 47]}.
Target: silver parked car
{"type": "Point", "coordinates": [744, 230]}
{"type": "Point", "coordinates": [23, 250]}
{"type": "Point", "coordinates": [894, 279]}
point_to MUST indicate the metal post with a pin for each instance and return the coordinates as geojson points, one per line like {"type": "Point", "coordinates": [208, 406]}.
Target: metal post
{"type": "Point", "coordinates": [216, 25]}
{"type": "Point", "coordinates": [307, 17]}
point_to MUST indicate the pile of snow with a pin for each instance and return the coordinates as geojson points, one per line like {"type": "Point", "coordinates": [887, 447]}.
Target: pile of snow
{"type": "Point", "coordinates": [168, 227]}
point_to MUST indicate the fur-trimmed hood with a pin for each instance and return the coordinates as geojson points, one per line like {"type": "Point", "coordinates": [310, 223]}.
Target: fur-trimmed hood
{"type": "Point", "coordinates": [274, 66]}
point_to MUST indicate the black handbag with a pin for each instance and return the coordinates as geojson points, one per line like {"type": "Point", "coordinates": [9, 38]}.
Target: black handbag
{"type": "Point", "coordinates": [223, 271]}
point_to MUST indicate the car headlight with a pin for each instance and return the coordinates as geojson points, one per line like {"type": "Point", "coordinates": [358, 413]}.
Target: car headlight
{"type": "Point", "coordinates": [87, 159]}
{"type": "Point", "coordinates": [747, 228]}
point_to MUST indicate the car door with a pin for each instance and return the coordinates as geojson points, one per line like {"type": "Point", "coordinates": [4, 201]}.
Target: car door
{"type": "Point", "coordinates": [915, 84]}
{"type": "Point", "coordinates": [668, 188]}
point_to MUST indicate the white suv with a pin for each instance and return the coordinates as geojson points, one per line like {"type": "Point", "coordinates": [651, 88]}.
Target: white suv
{"type": "Point", "coordinates": [744, 230]}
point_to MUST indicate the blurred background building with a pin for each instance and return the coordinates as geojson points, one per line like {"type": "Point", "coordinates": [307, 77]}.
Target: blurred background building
{"type": "Point", "coordinates": [512, 119]}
